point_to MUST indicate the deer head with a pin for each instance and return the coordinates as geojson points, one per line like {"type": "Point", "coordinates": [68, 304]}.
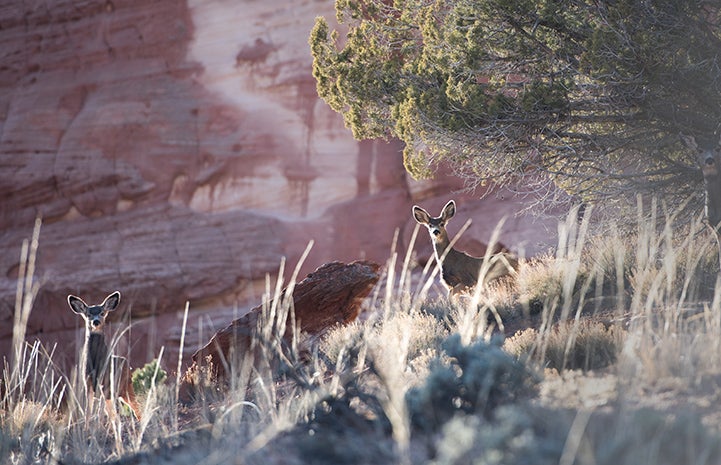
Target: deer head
{"type": "Point", "coordinates": [436, 225]}
{"type": "Point", "coordinates": [708, 156]}
{"type": "Point", "coordinates": [94, 315]}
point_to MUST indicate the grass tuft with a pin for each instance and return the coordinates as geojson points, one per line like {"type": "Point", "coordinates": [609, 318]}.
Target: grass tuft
{"type": "Point", "coordinates": [584, 345]}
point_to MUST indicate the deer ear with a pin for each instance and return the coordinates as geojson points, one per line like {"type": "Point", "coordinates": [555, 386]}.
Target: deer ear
{"type": "Point", "coordinates": [111, 301]}
{"type": "Point", "coordinates": [77, 305]}
{"type": "Point", "coordinates": [449, 210]}
{"type": "Point", "coordinates": [421, 215]}
{"type": "Point", "coordinates": [688, 141]}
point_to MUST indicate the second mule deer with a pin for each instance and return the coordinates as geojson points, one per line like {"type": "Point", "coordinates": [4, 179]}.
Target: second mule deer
{"type": "Point", "coordinates": [100, 363]}
{"type": "Point", "coordinates": [708, 157]}
{"type": "Point", "coordinates": [459, 271]}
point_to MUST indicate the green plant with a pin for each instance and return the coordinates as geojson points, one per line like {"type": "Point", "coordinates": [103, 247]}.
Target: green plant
{"type": "Point", "coordinates": [464, 82]}
{"type": "Point", "coordinates": [151, 374]}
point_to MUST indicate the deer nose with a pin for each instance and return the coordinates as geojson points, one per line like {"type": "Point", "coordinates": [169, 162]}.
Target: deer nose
{"type": "Point", "coordinates": [436, 232]}
{"type": "Point", "coordinates": [96, 323]}
{"type": "Point", "coordinates": [709, 161]}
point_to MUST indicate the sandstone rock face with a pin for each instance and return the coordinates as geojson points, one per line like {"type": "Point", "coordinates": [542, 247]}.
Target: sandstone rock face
{"type": "Point", "coordinates": [177, 151]}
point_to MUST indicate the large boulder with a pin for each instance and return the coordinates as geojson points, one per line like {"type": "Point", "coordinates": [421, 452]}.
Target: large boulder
{"type": "Point", "coordinates": [329, 296]}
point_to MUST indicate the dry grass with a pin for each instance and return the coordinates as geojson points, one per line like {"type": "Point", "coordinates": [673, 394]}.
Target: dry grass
{"type": "Point", "coordinates": [423, 380]}
{"type": "Point", "coordinates": [584, 345]}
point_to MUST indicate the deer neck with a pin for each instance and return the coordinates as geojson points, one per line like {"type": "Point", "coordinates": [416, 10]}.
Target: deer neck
{"type": "Point", "coordinates": [96, 353]}
{"type": "Point", "coordinates": [441, 245]}
{"type": "Point", "coordinates": [713, 199]}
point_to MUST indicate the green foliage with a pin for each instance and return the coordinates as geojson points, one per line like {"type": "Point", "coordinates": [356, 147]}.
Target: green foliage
{"type": "Point", "coordinates": [468, 379]}
{"type": "Point", "coordinates": [151, 374]}
{"type": "Point", "coordinates": [590, 93]}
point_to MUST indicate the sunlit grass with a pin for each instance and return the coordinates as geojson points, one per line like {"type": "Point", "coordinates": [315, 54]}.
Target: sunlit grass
{"type": "Point", "coordinates": [421, 378]}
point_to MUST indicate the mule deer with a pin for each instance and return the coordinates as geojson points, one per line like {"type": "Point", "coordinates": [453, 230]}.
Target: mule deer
{"type": "Point", "coordinates": [461, 272]}
{"type": "Point", "coordinates": [100, 363]}
{"type": "Point", "coordinates": [708, 157]}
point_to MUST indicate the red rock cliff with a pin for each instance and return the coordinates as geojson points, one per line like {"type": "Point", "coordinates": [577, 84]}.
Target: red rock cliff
{"type": "Point", "coordinates": [176, 151]}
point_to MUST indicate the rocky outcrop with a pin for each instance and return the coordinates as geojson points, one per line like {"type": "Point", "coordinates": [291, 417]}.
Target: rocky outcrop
{"type": "Point", "coordinates": [329, 296]}
{"type": "Point", "coordinates": [177, 151]}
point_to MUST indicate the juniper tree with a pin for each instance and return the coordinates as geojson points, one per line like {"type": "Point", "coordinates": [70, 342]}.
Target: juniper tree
{"type": "Point", "coordinates": [587, 94]}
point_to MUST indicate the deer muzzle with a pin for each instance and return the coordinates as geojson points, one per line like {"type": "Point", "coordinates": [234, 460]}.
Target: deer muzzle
{"type": "Point", "coordinates": [708, 167]}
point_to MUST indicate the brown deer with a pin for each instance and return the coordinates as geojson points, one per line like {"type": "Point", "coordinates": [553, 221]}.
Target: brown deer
{"type": "Point", "coordinates": [708, 157]}
{"type": "Point", "coordinates": [100, 363]}
{"type": "Point", "coordinates": [461, 272]}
